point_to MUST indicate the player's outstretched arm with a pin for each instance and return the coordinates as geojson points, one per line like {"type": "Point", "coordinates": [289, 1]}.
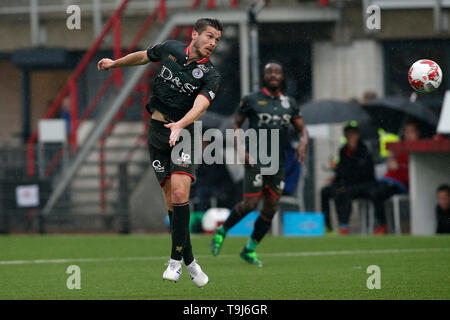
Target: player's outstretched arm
{"type": "Point", "coordinates": [200, 106]}
{"type": "Point", "coordinates": [132, 59]}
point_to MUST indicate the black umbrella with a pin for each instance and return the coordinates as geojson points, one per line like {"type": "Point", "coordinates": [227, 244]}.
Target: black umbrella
{"type": "Point", "coordinates": [332, 111]}
{"type": "Point", "coordinates": [391, 113]}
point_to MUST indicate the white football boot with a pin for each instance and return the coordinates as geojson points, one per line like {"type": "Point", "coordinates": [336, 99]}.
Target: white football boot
{"type": "Point", "coordinates": [199, 278]}
{"type": "Point", "coordinates": [173, 270]}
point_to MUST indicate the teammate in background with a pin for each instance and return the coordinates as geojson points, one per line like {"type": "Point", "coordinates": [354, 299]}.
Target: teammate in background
{"type": "Point", "coordinates": [184, 88]}
{"type": "Point", "coordinates": [265, 109]}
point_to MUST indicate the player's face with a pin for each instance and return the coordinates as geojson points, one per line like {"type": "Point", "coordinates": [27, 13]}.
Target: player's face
{"type": "Point", "coordinates": [352, 139]}
{"type": "Point", "coordinates": [273, 76]}
{"type": "Point", "coordinates": [443, 199]}
{"type": "Point", "coordinates": [411, 133]}
{"type": "Point", "coordinates": [205, 42]}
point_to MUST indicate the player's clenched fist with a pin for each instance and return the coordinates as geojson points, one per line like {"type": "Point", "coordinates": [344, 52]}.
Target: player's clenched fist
{"type": "Point", "coordinates": [105, 64]}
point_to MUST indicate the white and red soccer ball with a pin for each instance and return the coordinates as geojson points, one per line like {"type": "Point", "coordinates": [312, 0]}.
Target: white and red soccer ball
{"type": "Point", "coordinates": [425, 76]}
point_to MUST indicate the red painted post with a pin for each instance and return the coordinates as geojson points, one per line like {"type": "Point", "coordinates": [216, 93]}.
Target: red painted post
{"type": "Point", "coordinates": [162, 10]}
{"type": "Point", "coordinates": [188, 34]}
{"type": "Point", "coordinates": [211, 4]}
{"type": "Point", "coordinates": [73, 114]}
{"type": "Point", "coordinates": [195, 4]}
{"type": "Point", "coordinates": [31, 170]}
{"type": "Point", "coordinates": [234, 3]}
{"type": "Point", "coordinates": [117, 50]}
{"type": "Point", "coordinates": [142, 31]}
{"type": "Point", "coordinates": [53, 163]}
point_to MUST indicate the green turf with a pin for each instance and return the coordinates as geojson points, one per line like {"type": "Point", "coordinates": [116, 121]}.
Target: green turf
{"type": "Point", "coordinates": [131, 267]}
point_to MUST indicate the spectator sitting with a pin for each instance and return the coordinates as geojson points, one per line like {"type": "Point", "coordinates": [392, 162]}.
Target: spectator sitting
{"type": "Point", "coordinates": [396, 179]}
{"type": "Point", "coordinates": [354, 176]}
{"type": "Point", "coordinates": [443, 209]}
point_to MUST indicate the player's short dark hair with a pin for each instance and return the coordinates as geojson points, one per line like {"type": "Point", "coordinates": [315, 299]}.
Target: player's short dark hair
{"type": "Point", "coordinates": [201, 24]}
{"type": "Point", "coordinates": [283, 85]}
{"type": "Point", "coordinates": [443, 187]}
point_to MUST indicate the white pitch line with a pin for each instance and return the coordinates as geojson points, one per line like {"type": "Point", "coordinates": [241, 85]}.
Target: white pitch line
{"type": "Point", "coordinates": [281, 254]}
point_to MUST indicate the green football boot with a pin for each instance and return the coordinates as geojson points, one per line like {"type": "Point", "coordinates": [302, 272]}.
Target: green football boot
{"type": "Point", "coordinates": [250, 257]}
{"type": "Point", "coordinates": [217, 241]}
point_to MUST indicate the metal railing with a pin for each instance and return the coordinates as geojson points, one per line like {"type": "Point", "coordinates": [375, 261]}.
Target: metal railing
{"type": "Point", "coordinates": [71, 88]}
{"type": "Point", "coordinates": [96, 7]}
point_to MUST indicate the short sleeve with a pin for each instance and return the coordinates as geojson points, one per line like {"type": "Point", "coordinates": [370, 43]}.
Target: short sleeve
{"type": "Point", "coordinates": [296, 112]}
{"type": "Point", "coordinates": [155, 52]}
{"type": "Point", "coordinates": [210, 86]}
{"type": "Point", "coordinates": [244, 107]}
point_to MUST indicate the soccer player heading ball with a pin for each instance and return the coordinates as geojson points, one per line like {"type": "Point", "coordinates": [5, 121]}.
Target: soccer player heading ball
{"type": "Point", "coordinates": [184, 88]}
{"type": "Point", "coordinates": [266, 109]}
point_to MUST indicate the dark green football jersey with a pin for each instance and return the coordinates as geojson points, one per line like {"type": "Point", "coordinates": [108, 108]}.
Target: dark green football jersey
{"type": "Point", "coordinates": [177, 84]}
{"type": "Point", "coordinates": [268, 112]}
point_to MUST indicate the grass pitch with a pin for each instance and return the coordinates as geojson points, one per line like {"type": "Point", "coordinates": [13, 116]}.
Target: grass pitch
{"type": "Point", "coordinates": [131, 267]}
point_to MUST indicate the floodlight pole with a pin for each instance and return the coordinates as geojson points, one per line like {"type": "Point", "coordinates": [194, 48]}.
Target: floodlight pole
{"type": "Point", "coordinates": [254, 42]}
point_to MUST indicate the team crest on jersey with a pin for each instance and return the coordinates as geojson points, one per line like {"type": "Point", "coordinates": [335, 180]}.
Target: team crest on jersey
{"type": "Point", "coordinates": [285, 102]}
{"type": "Point", "coordinates": [197, 73]}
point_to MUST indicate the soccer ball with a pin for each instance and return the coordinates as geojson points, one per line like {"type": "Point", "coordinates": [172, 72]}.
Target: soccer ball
{"type": "Point", "coordinates": [425, 76]}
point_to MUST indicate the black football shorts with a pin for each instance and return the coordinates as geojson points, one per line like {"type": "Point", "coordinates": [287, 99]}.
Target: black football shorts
{"type": "Point", "coordinates": [255, 183]}
{"type": "Point", "coordinates": [160, 153]}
